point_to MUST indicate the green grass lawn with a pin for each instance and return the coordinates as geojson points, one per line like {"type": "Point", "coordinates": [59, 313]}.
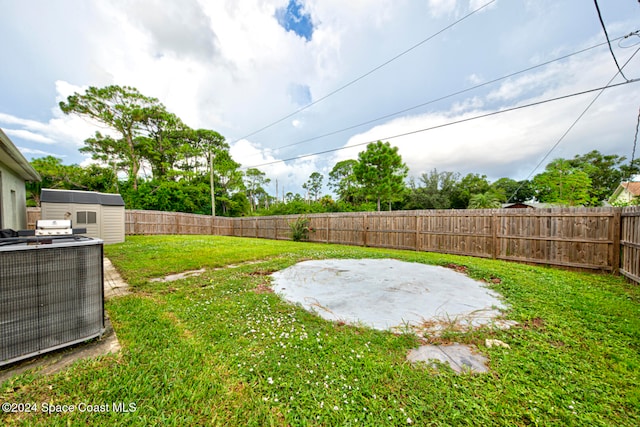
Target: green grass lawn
{"type": "Point", "coordinates": [219, 350]}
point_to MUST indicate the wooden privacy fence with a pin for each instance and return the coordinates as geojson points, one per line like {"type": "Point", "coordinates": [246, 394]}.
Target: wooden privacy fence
{"type": "Point", "coordinates": [587, 238]}
{"type": "Point", "coordinates": [605, 239]}
{"type": "Point", "coordinates": [630, 244]}
{"type": "Point", "coordinates": [157, 222]}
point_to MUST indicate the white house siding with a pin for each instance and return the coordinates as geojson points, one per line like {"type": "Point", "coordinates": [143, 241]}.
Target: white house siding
{"type": "Point", "coordinates": [13, 211]}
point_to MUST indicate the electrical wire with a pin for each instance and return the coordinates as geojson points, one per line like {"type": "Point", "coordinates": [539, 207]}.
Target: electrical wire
{"type": "Point", "coordinates": [386, 116]}
{"type": "Point", "coordinates": [578, 119]}
{"type": "Point", "coordinates": [357, 79]}
{"type": "Point", "coordinates": [635, 33]}
{"type": "Point", "coordinates": [604, 28]}
{"type": "Point", "coordinates": [481, 116]}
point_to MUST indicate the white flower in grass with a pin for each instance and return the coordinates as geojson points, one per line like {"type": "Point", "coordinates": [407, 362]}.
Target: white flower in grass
{"type": "Point", "coordinates": [409, 420]}
{"type": "Point", "coordinates": [335, 408]}
{"type": "Point", "coordinates": [270, 380]}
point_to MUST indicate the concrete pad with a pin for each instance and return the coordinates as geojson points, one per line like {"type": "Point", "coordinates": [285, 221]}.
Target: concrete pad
{"type": "Point", "coordinates": [56, 361]}
{"type": "Point", "coordinates": [458, 356]}
{"type": "Point", "coordinates": [388, 294]}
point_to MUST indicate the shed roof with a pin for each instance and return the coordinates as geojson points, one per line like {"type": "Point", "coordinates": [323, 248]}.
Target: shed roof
{"type": "Point", "coordinates": [49, 195]}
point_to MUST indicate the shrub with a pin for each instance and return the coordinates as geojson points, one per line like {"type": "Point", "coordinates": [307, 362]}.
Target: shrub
{"type": "Point", "coordinates": [300, 229]}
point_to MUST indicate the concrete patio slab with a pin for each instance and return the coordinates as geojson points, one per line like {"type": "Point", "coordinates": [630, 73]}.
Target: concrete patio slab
{"type": "Point", "coordinates": [460, 357]}
{"type": "Point", "coordinates": [388, 294]}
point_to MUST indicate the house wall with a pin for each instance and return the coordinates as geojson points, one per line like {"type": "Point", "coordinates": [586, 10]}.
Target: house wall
{"type": "Point", "coordinates": [624, 197]}
{"type": "Point", "coordinates": [13, 200]}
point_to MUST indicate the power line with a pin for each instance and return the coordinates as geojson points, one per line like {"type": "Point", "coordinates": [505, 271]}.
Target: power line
{"type": "Point", "coordinates": [578, 119]}
{"type": "Point", "coordinates": [386, 116]}
{"type": "Point", "coordinates": [357, 79]}
{"type": "Point", "coordinates": [481, 116]}
{"type": "Point", "coordinates": [604, 28]}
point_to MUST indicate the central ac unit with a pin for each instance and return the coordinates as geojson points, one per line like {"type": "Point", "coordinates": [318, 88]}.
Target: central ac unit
{"type": "Point", "coordinates": [51, 295]}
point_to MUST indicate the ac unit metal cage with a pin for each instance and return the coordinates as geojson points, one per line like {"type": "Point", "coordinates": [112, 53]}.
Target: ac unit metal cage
{"type": "Point", "coordinates": [51, 296]}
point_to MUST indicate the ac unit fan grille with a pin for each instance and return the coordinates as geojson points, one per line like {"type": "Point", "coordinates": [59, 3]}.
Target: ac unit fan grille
{"type": "Point", "coordinates": [49, 297]}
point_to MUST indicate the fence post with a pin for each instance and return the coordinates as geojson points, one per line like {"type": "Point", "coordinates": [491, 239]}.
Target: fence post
{"type": "Point", "coordinates": [617, 232]}
{"type": "Point", "coordinates": [328, 230]}
{"type": "Point", "coordinates": [365, 228]}
{"type": "Point", "coordinates": [494, 232]}
{"type": "Point", "coordinates": [418, 231]}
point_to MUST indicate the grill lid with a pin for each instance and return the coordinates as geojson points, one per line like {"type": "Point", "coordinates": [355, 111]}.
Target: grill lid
{"type": "Point", "coordinates": [53, 227]}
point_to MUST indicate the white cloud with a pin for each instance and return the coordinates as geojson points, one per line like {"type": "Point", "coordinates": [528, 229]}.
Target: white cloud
{"type": "Point", "coordinates": [63, 131]}
{"type": "Point", "coordinates": [25, 134]}
{"type": "Point", "coordinates": [440, 8]}
{"type": "Point", "coordinates": [493, 145]}
{"type": "Point", "coordinates": [39, 153]}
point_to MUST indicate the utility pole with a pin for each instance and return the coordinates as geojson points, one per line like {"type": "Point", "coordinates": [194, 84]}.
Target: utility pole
{"type": "Point", "coordinates": [213, 196]}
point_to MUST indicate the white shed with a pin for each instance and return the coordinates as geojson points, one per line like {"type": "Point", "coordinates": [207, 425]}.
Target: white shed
{"type": "Point", "coordinates": [102, 214]}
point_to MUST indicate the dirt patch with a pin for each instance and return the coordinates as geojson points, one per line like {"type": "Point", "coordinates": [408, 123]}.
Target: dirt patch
{"type": "Point", "coordinates": [459, 268]}
{"type": "Point", "coordinates": [262, 272]}
{"type": "Point", "coordinates": [535, 323]}
{"type": "Point", "coordinates": [186, 333]}
{"type": "Point", "coordinates": [263, 288]}
{"type": "Point", "coordinates": [179, 276]}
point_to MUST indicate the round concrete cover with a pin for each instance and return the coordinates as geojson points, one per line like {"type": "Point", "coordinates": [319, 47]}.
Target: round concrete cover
{"type": "Point", "coordinates": [386, 293]}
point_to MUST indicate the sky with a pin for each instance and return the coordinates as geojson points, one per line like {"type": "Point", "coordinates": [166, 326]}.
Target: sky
{"type": "Point", "coordinates": [286, 80]}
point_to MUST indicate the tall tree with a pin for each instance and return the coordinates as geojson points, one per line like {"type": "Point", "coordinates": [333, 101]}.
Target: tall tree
{"type": "Point", "coordinates": [255, 179]}
{"type": "Point", "coordinates": [381, 172]}
{"type": "Point", "coordinates": [211, 145]}
{"type": "Point", "coordinates": [604, 172]}
{"type": "Point", "coordinates": [434, 191]}
{"type": "Point", "coordinates": [561, 183]}
{"type": "Point", "coordinates": [228, 179]}
{"type": "Point", "coordinates": [161, 142]}
{"type": "Point", "coordinates": [469, 185]}
{"type": "Point", "coordinates": [314, 185]}
{"type": "Point", "coordinates": [343, 180]}
{"type": "Point", "coordinates": [122, 109]}
{"type": "Point", "coordinates": [512, 190]}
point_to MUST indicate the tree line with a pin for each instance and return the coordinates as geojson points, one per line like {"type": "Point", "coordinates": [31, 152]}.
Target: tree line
{"type": "Point", "coordinates": [157, 162]}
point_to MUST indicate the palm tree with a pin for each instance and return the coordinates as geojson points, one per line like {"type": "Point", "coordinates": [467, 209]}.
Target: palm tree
{"type": "Point", "coordinates": [488, 200]}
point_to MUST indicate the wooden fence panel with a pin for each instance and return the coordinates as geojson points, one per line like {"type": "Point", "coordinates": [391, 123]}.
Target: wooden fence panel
{"type": "Point", "coordinates": [457, 232]}
{"type": "Point", "coordinates": [395, 230]}
{"type": "Point", "coordinates": [158, 222]}
{"type": "Point", "coordinates": [576, 237]}
{"type": "Point", "coordinates": [630, 243]}
{"type": "Point", "coordinates": [338, 228]}
{"type": "Point", "coordinates": [33, 215]}
{"type": "Point", "coordinates": [222, 226]}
